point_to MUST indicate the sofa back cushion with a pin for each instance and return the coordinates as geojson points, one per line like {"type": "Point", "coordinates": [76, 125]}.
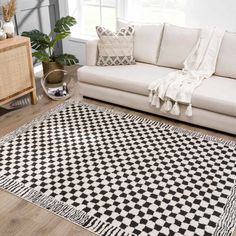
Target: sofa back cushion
{"type": "Point", "coordinates": [226, 63]}
{"type": "Point", "coordinates": [147, 41]}
{"type": "Point", "coordinates": [177, 43]}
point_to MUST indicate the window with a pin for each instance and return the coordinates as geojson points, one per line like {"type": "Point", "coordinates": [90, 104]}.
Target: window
{"type": "Point", "coordinates": [91, 13]}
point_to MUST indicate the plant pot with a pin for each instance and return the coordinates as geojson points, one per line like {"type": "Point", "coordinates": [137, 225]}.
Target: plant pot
{"type": "Point", "coordinates": [55, 77]}
{"type": "Point", "coordinates": [9, 29]}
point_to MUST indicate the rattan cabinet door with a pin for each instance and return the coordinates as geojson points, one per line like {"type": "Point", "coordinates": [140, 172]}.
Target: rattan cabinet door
{"type": "Point", "coordinates": [14, 71]}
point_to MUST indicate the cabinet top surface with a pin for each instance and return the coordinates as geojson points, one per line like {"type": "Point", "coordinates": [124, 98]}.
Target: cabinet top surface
{"type": "Point", "coordinates": [13, 41]}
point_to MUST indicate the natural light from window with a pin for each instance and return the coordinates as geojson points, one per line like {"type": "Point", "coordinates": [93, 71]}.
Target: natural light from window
{"type": "Point", "coordinates": [91, 13]}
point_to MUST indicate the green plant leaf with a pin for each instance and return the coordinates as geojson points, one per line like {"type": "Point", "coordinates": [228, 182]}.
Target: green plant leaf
{"type": "Point", "coordinates": [58, 38]}
{"type": "Point", "coordinates": [63, 25]}
{"type": "Point", "coordinates": [41, 56]}
{"type": "Point", "coordinates": [39, 40]}
{"type": "Point", "coordinates": [66, 59]}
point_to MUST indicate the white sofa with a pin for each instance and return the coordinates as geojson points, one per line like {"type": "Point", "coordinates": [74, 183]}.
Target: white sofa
{"type": "Point", "coordinates": [158, 50]}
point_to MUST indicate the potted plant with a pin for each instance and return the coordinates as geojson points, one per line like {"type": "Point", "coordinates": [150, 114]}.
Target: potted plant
{"type": "Point", "coordinates": [44, 46]}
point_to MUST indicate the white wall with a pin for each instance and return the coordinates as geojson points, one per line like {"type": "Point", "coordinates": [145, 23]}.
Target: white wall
{"type": "Point", "coordinates": [202, 13]}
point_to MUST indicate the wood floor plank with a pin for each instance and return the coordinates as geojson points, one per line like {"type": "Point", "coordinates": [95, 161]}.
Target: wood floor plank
{"type": "Point", "coordinates": [21, 218]}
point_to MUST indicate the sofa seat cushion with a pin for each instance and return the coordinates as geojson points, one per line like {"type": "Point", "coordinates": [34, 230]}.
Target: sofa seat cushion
{"type": "Point", "coordinates": [216, 94]}
{"type": "Point", "coordinates": [132, 78]}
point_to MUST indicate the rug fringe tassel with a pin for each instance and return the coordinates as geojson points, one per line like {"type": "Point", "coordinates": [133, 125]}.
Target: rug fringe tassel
{"type": "Point", "coordinates": [116, 113]}
{"type": "Point", "coordinates": [228, 220]}
{"type": "Point", "coordinates": [80, 217]}
{"type": "Point", "coordinates": [59, 208]}
{"type": "Point", "coordinates": [180, 130]}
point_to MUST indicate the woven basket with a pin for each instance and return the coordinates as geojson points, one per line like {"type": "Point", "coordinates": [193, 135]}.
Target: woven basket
{"type": "Point", "coordinates": [45, 86]}
{"type": "Point", "coordinates": [53, 78]}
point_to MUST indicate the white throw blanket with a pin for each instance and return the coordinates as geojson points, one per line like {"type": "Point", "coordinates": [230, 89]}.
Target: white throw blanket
{"type": "Point", "coordinates": [178, 87]}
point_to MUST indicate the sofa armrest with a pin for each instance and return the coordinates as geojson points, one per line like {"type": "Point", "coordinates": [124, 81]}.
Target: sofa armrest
{"type": "Point", "coordinates": [91, 52]}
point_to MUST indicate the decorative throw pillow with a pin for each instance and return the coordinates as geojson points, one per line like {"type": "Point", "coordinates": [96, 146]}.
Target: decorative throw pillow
{"type": "Point", "coordinates": [115, 48]}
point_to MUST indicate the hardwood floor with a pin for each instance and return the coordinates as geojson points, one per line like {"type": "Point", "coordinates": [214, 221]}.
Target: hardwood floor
{"type": "Point", "coordinates": [21, 218]}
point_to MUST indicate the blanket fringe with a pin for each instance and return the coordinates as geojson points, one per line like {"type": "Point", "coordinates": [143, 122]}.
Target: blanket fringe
{"type": "Point", "coordinates": [189, 111]}
{"type": "Point", "coordinates": [158, 102]}
{"type": "Point", "coordinates": [199, 65]}
{"type": "Point", "coordinates": [175, 110]}
{"type": "Point", "coordinates": [150, 97]}
{"type": "Point", "coordinates": [154, 100]}
{"type": "Point", "coordinates": [167, 106]}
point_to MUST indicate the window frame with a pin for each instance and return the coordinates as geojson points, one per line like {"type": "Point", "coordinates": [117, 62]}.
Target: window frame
{"type": "Point", "coordinates": [80, 18]}
{"type": "Point", "coordinates": [122, 9]}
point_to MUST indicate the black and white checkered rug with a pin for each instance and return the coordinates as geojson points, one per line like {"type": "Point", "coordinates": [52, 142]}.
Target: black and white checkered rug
{"type": "Point", "coordinates": [116, 174]}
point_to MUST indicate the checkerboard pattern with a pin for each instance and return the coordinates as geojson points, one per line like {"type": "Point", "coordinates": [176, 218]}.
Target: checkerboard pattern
{"type": "Point", "coordinates": [137, 177]}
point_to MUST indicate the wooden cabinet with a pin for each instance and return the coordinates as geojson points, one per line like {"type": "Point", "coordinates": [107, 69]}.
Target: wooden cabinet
{"type": "Point", "coordinates": [16, 70]}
